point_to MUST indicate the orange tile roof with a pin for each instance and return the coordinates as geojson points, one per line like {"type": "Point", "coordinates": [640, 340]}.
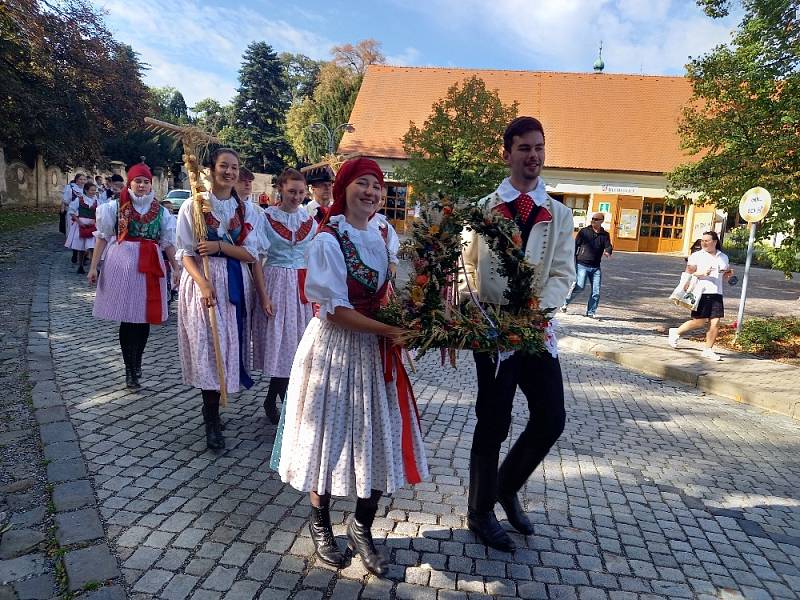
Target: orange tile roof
{"type": "Point", "coordinates": [592, 122]}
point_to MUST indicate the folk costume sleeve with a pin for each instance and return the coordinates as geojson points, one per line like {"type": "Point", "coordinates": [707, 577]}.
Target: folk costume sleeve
{"type": "Point", "coordinates": [326, 281]}
{"type": "Point", "coordinates": [106, 221]}
{"type": "Point", "coordinates": [167, 229]}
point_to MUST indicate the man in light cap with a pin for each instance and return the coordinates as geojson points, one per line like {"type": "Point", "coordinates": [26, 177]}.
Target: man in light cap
{"type": "Point", "coordinates": [591, 244]}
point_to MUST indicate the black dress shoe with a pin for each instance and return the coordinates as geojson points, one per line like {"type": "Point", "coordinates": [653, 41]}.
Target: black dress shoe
{"type": "Point", "coordinates": [490, 532]}
{"type": "Point", "coordinates": [322, 535]}
{"type": "Point", "coordinates": [359, 539]}
{"type": "Point", "coordinates": [516, 515]}
{"type": "Point", "coordinates": [81, 271]}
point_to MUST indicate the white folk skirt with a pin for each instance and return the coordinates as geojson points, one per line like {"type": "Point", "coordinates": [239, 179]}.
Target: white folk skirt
{"type": "Point", "coordinates": [121, 289]}
{"type": "Point", "coordinates": [74, 240]}
{"type": "Point", "coordinates": [195, 342]}
{"type": "Point", "coordinates": [343, 423]}
{"type": "Point", "coordinates": [275, 339]}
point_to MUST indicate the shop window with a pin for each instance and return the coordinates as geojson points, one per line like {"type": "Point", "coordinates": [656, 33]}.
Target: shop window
{"type": "Point", "coordinates": [661, 220]}
{"type": "Point", "coordinates": [395, 208]}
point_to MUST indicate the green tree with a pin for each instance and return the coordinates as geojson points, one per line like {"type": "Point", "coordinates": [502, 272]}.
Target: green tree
{"type": "Point", "coordinates": [301, 74]}
{"type": "Point", "coordinates": [260, 110]}
{"type": "Point", "coordinates": [213, 116]}
{"type": "Point", "coordinates": [456, 152]}
{"type": "Point", "coordinates": [67, 85]}
{"type": "Point", "coordinates": [742, 123]}
{"type": "Point", "coordinates": [337, 84]}
{"type": "Point", "coordinates": [177, 109]}
{"type": "Point", "coordinates": [331, 105]}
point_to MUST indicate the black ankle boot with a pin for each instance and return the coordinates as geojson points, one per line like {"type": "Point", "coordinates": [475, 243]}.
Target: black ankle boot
{"type": "Point", "coordinates": [131, 380]}
{"type": "Point", "coordinates": [322, 535]}
{"type": "Point", "coordinates": [515, 514]}
{"type": "Point", "coordinates": [271, 411]}
{"type": "Point", "coordinates": [481, 519]}
{"type": "Point", "coordinates": [214, 439]}
{"type": "Point", "coordinates": [359, 539]}
{"type": "Point", "coordinates": [74, 256]}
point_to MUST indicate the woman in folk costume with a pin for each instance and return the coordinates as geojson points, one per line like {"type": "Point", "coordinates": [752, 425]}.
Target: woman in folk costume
{"type": "Point", "coordinates": [72, 190]}
{"type": "Point", "coordinates": [132, 287]}
{"type": "Point", "coordinates": [231, 246]}
{"type": "Point", "coordinates": [350, 423]}
{"type": "Point", "coordinates": [286, 234]}
{"type": "Point", "coordinates": [82, 218]}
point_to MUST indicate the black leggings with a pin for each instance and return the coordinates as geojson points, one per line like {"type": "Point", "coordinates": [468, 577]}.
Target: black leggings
{"type": "Point", "coordinates": [133, 339]}
{"type": "Point", "coordinates": [277, 387]}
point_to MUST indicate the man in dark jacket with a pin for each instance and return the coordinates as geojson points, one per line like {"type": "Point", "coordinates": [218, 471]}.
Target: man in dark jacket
{"type": "Point", "coordinates": [591, 244]}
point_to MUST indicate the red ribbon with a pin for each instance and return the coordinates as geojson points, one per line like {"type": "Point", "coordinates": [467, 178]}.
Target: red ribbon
{"type": "Point", "coordinates": [405, 397]}
{"type": "Point", "coordinates": [301, 285]}
{"type": "Point", "coordinates": [151, 267]}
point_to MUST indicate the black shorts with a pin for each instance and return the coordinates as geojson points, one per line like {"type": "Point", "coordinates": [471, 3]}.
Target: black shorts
{"type": "Point", "coordinates": [710, 307]}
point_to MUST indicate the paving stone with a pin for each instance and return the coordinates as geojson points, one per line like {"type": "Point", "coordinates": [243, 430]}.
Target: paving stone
{"type": "Point", "coordinates": [17, 542]}
{"type": "Point", "coordinates": [113, 592]}
{"type": "Point", "coordinates": [73, 494]}
{"type": "Point", "coordinates": [66, 471]}
{"type": "Point", "coordinates": [42, 587]}
{"type": "Point", "coordinates": [78, 526]}
{"type": "Point", "coordinates": [22, 567]}
{"type": "Point", "coordinates": [94, 563]}
{"type": "Point", "coordinates": [179, 587]}
{"type": "Point", "coordinates": [152, 581]}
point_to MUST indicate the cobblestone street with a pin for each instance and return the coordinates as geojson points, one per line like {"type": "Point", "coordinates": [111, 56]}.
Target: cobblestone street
{"type": "Point", "coordinates": [653, 491]}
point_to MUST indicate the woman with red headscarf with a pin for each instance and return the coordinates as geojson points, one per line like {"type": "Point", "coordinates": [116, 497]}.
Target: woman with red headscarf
{"type": "Point", "coordinates": [350, 423]}
{"type": "Point", "coordinates": [132, 288]}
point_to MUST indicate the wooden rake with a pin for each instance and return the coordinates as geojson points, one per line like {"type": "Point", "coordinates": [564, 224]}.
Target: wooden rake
{"type": "Point", "coordinates": [196, 141]}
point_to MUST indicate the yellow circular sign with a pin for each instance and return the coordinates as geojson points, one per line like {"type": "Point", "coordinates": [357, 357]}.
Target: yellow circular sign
{"type": "Point", "coordinates": [754, 205]}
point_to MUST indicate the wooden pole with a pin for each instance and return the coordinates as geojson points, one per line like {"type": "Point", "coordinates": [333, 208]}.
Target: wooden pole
{"type": "Point", "coordinates": [193, 139]}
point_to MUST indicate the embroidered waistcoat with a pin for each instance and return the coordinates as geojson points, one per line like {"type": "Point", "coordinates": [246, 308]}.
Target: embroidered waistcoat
{"type": "Point", "coordinates": [362, 280]}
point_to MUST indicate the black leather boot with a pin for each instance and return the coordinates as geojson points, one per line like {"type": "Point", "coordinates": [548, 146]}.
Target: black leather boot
{"type": "Point", "coordinates": [515, 513]}
{"type": "Point", "coordinates": [322, 535]}
{"type": "Point", "coordinates": [481, 519]}
{"type": "Point", "coordinates": [131, 380]}
{"type": "Point", "coordinates": [214, 439]}
{"type": "Point", "coordinates": [359, 539]}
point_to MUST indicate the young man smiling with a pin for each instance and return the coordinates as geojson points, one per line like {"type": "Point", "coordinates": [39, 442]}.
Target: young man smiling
{"type": "Point", "coordinates": [546, 228]}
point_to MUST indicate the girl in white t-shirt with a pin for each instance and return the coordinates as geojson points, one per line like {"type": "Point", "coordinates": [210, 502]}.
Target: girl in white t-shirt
{"type": "Point", "coordinates": [711, 267]}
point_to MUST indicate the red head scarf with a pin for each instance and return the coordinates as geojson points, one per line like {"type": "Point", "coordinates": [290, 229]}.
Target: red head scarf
{"type": "Point", "coordinates": [137, 170]}
{"type": "Point", "coordinates": [347, 174]}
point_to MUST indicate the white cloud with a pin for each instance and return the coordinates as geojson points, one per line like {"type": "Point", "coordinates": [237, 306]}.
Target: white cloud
{"type": "Point", "coordinates": [656, 37]}
{"type": "Point", "coordinates": [409, 56]}
{"type": "Point", "coordinates": [178, 38]}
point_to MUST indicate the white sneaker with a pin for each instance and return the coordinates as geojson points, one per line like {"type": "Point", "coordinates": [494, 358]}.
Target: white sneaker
{"type": "Point", "coordinates": [673, 337]}
{"type": "Point", "coordinates": [709, 354]}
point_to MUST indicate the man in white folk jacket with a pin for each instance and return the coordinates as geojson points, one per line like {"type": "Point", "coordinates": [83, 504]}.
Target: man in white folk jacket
{"type": "Point", "coordinates": [546, 227]}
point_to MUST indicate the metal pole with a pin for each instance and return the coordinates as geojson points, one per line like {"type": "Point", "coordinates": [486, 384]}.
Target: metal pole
{"type": "Point", "coordinates": [750, 246]}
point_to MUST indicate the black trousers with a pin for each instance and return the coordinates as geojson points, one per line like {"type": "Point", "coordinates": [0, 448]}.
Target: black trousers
{"type": "Point", "coordinates": [539, 378]}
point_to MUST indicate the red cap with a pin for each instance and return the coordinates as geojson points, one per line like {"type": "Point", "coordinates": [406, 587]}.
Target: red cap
{"type": "Point", "coordinates": [347, 173]}
{"type": "Point", "coordinates": [139, 170]}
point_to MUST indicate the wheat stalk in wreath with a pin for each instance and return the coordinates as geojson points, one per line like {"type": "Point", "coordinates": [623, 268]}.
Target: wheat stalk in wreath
{"type": "Point", "coordinates": [195, 143]}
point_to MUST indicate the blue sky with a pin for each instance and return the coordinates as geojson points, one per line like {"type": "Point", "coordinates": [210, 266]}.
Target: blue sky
{"type": "Point", "coordinates": [196, 45]}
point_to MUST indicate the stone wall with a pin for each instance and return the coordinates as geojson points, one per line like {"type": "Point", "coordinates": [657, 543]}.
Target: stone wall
{"type": "Point", "coordinates": [42, 186]}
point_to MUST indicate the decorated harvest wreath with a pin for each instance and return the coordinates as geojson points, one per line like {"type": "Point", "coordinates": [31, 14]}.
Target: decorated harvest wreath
{"type": "Point", "coordinates": [428, 304]}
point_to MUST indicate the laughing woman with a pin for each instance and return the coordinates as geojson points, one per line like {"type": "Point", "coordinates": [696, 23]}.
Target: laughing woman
{"type": "Point", "coordinates": [350, 424]}
{"type": "Point", "coordinates": [231, 244]}
{"type": "Point", "coordinates": [287, 230]}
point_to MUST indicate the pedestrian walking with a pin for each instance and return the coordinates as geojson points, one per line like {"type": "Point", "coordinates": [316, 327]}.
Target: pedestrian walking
{"type": "Point", "coordinates": [711, 267]}
{"type": "Point", "coordinates": [287, 231]}
{"type": "Point", "coordinates": [81, 215]}
{"type": "Point", "coordinates": [132, 287]}
{"type": "Point", "coordinates": [350, 424]}
{"type": "Point", "coordinates": [546, 228]}
{"type": "Point", "coordinates": [591, 244]}
{"type": "Point", "coordinates": [230, 246]}
{"type": "Point", "coordinates": [72, 190]}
